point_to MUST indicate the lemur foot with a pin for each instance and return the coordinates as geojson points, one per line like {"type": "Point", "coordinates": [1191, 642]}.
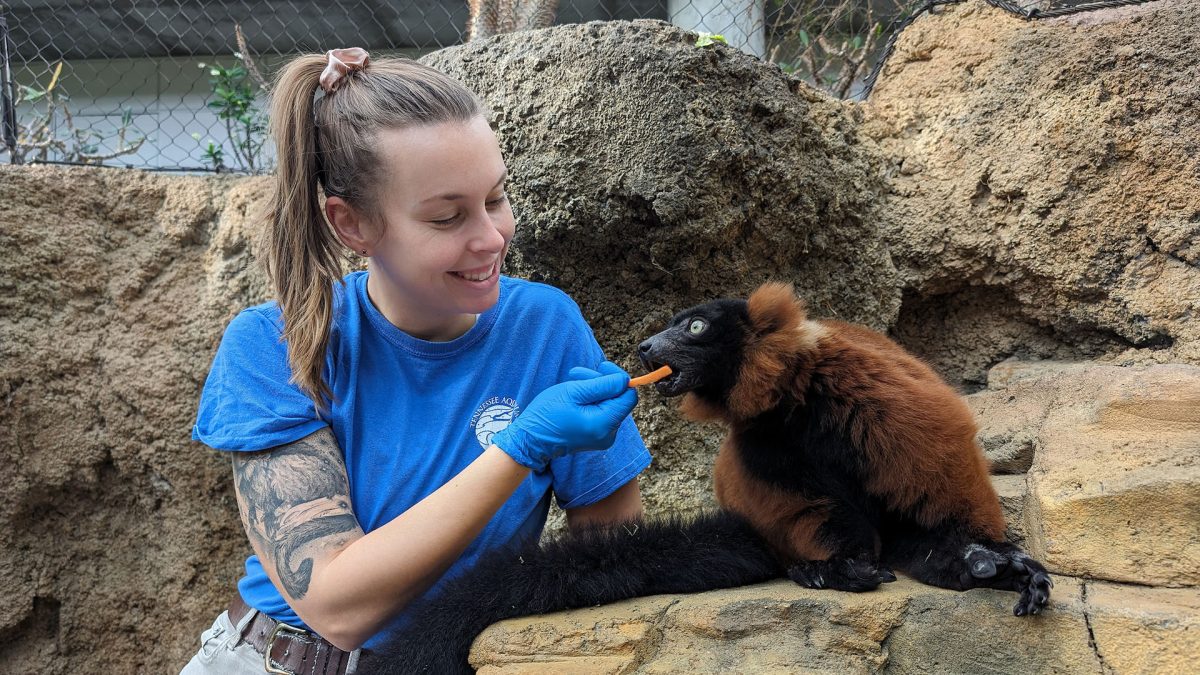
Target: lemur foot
{"type": "Point", "coordinates": [1011, 570]}
{"type": "Point", "coordinates": [841, 574]}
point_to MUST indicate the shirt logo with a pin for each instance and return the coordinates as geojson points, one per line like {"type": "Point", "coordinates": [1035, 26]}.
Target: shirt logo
{"type": "Point", "coordinates": [492, 416]}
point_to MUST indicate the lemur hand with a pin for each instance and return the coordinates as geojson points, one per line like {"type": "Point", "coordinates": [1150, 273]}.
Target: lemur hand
{"type": "Point", "coordinates": [582, 413]}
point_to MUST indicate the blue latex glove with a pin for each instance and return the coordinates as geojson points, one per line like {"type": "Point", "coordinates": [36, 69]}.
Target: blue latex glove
{"type": "Point", "coordinates": [582, 413]}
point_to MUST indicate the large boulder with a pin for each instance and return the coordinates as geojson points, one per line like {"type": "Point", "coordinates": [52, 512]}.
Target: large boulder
{"type": "Point", "coordinates": [1043, 193]}
{"type": "Point", "coordinates": [1041, 201]}
{"type": "Point", "coordinates": [649, 174]}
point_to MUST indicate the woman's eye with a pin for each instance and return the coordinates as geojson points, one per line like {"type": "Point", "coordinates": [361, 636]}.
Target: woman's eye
{"type": "Point", "coordinates": [445, 222]}
{"type": "Point", "coordinates": [493, 203]}
{"type": "Point", "coordinates": [697, 326]}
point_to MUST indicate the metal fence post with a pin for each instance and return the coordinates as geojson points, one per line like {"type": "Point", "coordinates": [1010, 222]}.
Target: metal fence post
{"type": "Point", "coordinates": [8, 105]}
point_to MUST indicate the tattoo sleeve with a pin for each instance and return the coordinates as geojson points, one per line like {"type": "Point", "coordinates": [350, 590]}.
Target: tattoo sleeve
{"type": "Point", "coordinates": [295, 504]}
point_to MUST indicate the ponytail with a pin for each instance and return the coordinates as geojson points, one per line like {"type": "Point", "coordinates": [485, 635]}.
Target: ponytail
{"type": "Point", "coordinates": [329, 145]}
{"type": "Point", "coordinates": [301, 249]}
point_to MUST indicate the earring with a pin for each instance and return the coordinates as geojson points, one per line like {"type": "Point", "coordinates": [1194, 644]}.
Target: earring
{"type": "Point", "coordinates": [364, 251]}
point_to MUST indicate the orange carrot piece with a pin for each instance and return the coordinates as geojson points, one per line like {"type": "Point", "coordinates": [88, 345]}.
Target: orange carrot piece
{"type": "Point", "coordinates": [649, 378]}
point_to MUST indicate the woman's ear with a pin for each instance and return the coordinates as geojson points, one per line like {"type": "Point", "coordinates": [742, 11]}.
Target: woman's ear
{"type": "Point", "coordinates": [349, 225]}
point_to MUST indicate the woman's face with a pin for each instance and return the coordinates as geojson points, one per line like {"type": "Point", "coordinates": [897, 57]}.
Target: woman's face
{"type": "Point", "coordinates": [447, 226]}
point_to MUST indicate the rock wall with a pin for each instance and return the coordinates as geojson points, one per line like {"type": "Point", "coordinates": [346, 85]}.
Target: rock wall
{"type": "Point", "coordinates": [904, 627]}
{"type": "Point", "coordinates": [1044, 185]}
{"type": "Point", "coordinates": [118, 536]}
{"type": "Point", "coordinates": [650, 174]}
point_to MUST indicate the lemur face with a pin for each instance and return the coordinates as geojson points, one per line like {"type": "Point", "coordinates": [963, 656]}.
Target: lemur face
{"type": "Point", "coordinates": [703, 346]}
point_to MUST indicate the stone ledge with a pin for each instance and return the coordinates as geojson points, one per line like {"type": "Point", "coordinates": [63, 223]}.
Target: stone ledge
{"type": "Point", "coordinates": [902, 627]}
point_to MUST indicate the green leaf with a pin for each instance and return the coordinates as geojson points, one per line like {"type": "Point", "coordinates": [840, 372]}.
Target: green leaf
{"type": "Point", "coordinates": [706, 39]}
{"type": "Point", "coordinates": [29, 94]}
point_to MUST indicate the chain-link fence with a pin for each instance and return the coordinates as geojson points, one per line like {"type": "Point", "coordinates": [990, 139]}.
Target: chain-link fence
{"type": "Point", "coordinates": [179, 86]}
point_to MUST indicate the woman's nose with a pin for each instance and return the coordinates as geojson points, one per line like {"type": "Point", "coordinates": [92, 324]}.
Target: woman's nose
{"type": "Point", "coordinates": [488, 233]}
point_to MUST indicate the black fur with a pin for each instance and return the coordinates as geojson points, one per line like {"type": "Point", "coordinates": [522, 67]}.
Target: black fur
{"type": "Point", "coordinates": [707, 362]}
{"type": "Point", "coordinates": [594, 567]}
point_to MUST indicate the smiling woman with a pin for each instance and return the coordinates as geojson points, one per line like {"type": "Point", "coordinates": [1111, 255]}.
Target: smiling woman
{"type": "Point", "coordinates": [440, 230]}
{"type": "Point", "coordinates": [391, 426]}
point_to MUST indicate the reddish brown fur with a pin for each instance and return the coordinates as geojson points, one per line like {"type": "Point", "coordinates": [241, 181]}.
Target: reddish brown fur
{"type": "Point", "coordinates": [788, 522]}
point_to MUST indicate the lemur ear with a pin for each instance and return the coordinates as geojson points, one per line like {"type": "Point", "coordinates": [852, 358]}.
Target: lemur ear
{"type": "Point", "coordinates": [774, 306]}
{"type": "Point", "coordinates": [776, 338]}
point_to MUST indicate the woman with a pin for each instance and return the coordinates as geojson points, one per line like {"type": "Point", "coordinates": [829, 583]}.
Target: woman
{"type": "Point", "coordinates": [389, 427]}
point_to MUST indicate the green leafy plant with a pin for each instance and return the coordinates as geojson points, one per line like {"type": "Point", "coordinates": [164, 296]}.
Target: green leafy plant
{"type": "Point", "coordinates": [235, 102]}
{"type": "Point", "coordinates": [829, 43]}
{"type": "Point", "coordinates": [213, 154]}
{"type": "Point", "coordinates": [706, 39]}
{"type": "Point", "coordinates": [49, 132]}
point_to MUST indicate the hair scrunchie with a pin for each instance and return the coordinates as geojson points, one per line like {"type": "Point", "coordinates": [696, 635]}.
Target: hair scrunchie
{"type": "Point", "coordinates": [340, 62]}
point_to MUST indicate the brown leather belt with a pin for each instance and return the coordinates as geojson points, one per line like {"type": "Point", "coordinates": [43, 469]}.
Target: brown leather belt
{"type": "Point", "coordinates": [288, 650]}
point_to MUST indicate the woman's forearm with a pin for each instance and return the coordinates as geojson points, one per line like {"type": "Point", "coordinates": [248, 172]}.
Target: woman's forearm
{"type": "Point", "coordinates": [355, 593]}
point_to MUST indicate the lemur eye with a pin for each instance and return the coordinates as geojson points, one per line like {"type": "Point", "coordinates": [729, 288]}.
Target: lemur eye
{"type": "Point", "coordinates": [697, 326]}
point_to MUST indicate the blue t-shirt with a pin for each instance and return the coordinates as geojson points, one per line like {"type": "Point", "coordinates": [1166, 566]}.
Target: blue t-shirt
{"type": "Point", "coordinates": [410, 414]}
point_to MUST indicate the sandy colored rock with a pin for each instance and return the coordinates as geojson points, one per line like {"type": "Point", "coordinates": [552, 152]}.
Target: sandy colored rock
{"type": "Point", "coordinates": [904, 627]}
{"type": "Point", "coordinates": [1013, 490]}
{"type": "Point", "coordinates": [975, 632]}
{"type": "Point", "coordinates": [584, 665]}
{"type": "Point", "coordinates": [1043, 193]}
{"type": "Point", "coordinates": [779, 627]}
{"type": "Point", "coordinates": [1007, 426]}
{"type": "Point", "coordinates": [585, 640]}
{"type": "Point", "coordinates": [1145, 630]}
{"type": "Point", "coordinates": [1041, 200]}
{"type": "Point", "coordinates": [113, 524]}
{"type": "Point", "coordinates": [1115, 485]}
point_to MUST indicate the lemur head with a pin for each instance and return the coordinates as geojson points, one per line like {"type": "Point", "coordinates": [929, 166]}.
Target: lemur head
{"type": "Point", "coordinates": [735, 357]}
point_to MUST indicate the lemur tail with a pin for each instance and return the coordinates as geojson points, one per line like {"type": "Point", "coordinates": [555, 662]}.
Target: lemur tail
{"type": "Point", "coordinates": [676, 555]}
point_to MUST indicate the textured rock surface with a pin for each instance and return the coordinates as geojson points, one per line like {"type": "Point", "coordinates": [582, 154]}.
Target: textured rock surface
{"type": "Point", "coordinates": [903, 627]}
{"type": "Point", "coordinates": [114, 287]}
{"type": "Point", "coordinates": [1144, 630]}
{"type": "Point", "coordinates": [1045, 184]}
{"type": "Point", "coordinates": [1114, 489]}
{"type": "Point", "coordinates": [651, 174]}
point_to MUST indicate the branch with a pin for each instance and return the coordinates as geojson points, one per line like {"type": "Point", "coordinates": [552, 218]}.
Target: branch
{"type": "Point", "coordinates": [251, 66]}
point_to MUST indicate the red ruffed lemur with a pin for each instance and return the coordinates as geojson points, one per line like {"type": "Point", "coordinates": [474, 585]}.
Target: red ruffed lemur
{"type": "Point", "coordinates": [846, 458]}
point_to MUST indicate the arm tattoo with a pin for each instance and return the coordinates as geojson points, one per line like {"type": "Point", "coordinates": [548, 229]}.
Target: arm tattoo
{"type": "Point", "coordinates": [295, 504]}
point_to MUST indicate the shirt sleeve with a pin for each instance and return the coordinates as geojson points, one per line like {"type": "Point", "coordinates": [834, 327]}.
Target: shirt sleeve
{"type": "Point", "coordinates": [248, 402]}
{"type": "Point", "coordinates": [584, 478]}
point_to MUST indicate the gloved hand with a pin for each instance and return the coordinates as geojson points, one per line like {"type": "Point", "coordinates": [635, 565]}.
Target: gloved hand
{"type": "Point", "coordinates": [582, 413]}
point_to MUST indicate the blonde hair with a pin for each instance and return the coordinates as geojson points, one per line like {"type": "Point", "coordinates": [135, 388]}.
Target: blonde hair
{"type": "Point", "coordinates": [328, 145]}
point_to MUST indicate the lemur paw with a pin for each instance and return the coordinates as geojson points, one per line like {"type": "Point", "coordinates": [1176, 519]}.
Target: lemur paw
{"type": "Point", "coordinates": [1035, 584]}
{"type": "Point", "coordinates": [983, 562]}
{"type": "Point", "coordinates": [841, 574]}
{"type": "Point", "coordinates": [1012, 570]}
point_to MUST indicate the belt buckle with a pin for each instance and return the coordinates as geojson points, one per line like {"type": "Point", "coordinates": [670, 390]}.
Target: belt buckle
{"type": "Point", "coordinates": [280, 627]}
